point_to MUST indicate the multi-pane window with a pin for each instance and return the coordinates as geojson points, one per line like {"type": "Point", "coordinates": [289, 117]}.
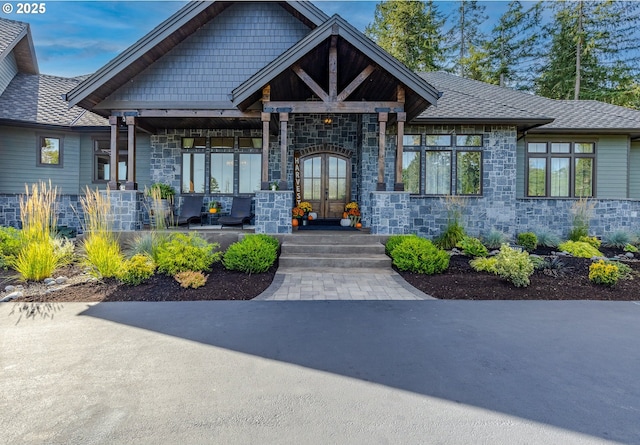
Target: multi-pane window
{"type": "Point", "coordinates": [102, 160]}
{"type": "Point", "coordinates": [226, 165]}
{"type": "Point", "coordinates": [560, 169]}
{"type": "Point", "coordinates": [440, 164]}
{"type": "Point", "coordinates": [50, 151]}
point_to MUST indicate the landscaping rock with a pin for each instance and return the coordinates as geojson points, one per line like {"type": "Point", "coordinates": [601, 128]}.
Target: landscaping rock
{"type": "Point", "coordinates": [11, 296]}
{"type": "Point", "coordinates": [61, 280]}
{"type": "Point", "coordinates": [9, 288]}
{"type": "Point", "coordinates": [629, 255]}
{"type": "Point", "coordinates": [48, 281]}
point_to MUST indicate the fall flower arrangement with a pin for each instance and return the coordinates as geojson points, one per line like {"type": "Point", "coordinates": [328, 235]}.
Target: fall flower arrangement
{"type": "Point", "coordinates": [305, 206]}
{"type": "Point", "coordinates": [297, 212]}
{"type": "Point", "coordinates": [353, 211]}
{"type": "Point", "coordinates": [351, 205]}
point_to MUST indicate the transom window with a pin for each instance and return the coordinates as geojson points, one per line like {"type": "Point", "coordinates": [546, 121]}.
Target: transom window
{"type": "Point", "coordinates": [221, 165]}
{"type": "Point", "coordinates": [560, 169]}
{"type": "Point", "coordinates": [435, 164]}
{"type": "Point", "coordinates": [50, 151]}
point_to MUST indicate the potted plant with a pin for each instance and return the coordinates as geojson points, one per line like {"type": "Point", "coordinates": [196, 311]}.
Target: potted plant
{"type": "Point", "coordinates": [214, 207]}
{"type": "Point", "coordinates": [274, 186]}
{"type": "Point", "coordinates": [161, 191]}
{"type": "Point", "coordinates": [161, 196]}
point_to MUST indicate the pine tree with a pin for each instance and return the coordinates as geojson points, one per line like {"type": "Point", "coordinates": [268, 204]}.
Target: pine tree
{"type": "Point", "coordinates": [466, 40]}
{"type": "Point", "coordinates": [411, 32]}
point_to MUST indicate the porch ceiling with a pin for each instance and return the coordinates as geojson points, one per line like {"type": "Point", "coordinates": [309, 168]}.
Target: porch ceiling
{"type": "Point", "coordinates": [152, 124]}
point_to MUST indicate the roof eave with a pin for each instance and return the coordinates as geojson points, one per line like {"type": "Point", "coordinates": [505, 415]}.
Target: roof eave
{"type": "Point", "coordinates": [531, 122]}
{"type": "Point", "coordinates": [24, 44]}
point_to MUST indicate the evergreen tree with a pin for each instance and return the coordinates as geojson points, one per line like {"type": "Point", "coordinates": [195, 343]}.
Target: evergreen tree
{"type": "Point", "coordinates": [593, 52]}
{"type": "Point", "coordinates": [410, 31]}
{"type": "Point", "coordinates": [466, 42]}
{"type": "Point", "coordinates": [513, 46]}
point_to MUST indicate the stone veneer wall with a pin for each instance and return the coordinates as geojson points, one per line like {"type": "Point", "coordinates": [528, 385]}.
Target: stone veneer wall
{"type": "Point", "coordinates": [126, 209]}
{"type": "Point", "coordinates": [273, 211]}
{"type": "Point", "coordinates": [68, 211]}
{"type": "Point", "coordinates": [389, 213]}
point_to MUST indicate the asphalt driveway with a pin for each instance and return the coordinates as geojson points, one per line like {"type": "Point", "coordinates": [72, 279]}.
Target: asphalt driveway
{"type": "Point", "coordinates": [327, 372]}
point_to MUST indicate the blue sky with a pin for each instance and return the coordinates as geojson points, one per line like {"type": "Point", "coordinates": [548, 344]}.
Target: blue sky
{"type": "Point", "coordinates": [73, 38]}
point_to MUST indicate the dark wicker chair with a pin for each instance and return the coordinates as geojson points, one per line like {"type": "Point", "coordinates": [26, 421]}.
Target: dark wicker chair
{"type": "Point", "coordinates": [190, 211]}
{"type": "Point", "coordinates": [240, 213]}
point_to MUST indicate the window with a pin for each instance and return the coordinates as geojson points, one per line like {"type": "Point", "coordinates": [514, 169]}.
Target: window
{"type": "Point", "coordinates": [232, 165]}
{"type": "Point", "coordinates": [50, 151]}
{"type": "Point", "coordinates": [560, 169]}
{"type": "Point", "coordinates": [102, 160]}
{"type": "Point", "coordinates": [429, 168]}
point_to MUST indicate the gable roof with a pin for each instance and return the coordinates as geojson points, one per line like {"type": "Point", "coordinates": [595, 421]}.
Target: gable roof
{"type": "Point", "coordinates": [247, 93]}
{"type": "Point", "coordinates": [37, 98]}
{"type": "Point", "coordinates": [160, 40]}
{"type": "Point", "coordinates": [16, 36]}
{"type": "Point", "coordinates": [471, 100]}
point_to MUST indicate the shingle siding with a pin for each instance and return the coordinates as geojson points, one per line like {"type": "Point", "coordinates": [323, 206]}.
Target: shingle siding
{"type": "Point", "coordinates": [8, 69]}
{"type": "Point", "coordinates": [225, 52]}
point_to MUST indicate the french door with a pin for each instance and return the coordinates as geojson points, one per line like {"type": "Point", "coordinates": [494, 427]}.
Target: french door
{"type": "Point", "coordinates": [326, 183]}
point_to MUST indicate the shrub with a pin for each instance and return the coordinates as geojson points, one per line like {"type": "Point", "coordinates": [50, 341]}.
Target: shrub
{"type": "Point", "coordinates": [137, 269]}
{"type": "Point", "coordinates": [619, 239]}
{"type": "Point", "coordinates": [494, 239]}
{"type": "Point", "coordinates": [10, 245]}
{"type": "Point", "coordinates": [626, 272]}
{"type": "Point", "coordinates": [102, 255]}
{"type": "Point", "coordinates": [268, 239]}
{"type": "Point", "coordinates": [528, 240]}
{"type": "Point", "coordinates": [484, 264]}
{"type": "Point", "coordinates": [630, 248]}
{"type": "Point", "coordinates": [472, 246]}
{"type": "Point", "coordinates": [452, 235]}
{"type": "Point", "coordinates": [582, 210]}
{"type": "Point", "coordinates": [514, 266]}
{"type": "Point", "coordinates": [64, 249]}
{"type": "Point", "coordinates": [604, 273]}
{"type": "Point", "coordinates": [578, 232]}
{"type": "Point", "coordinates": [547, 239]}
{"type": "Point", "coordinates": [394, 241]}
{"type": "Point", "coordinates": [181, 253]}
{"type": "Point", "coordinates": [579, 249]}
{"type": "Point", "coordinates": [36, 261]}
{"type": "Point", "coordinates": [553, 266]}
{"type": "Point", "coordinates": [192, 279]}
{"type": "Point", "coordinates": [593, 241]}
{"type": "Point", "coordinates": [147, 244]}
{"type": "Point", "coordinates": [251, 255]}
{"type": "Point", "coordinates": [419, 255]}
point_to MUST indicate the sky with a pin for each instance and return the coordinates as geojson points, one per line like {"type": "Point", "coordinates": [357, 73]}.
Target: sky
{"type": "Point", "coordinates": [74, 38]}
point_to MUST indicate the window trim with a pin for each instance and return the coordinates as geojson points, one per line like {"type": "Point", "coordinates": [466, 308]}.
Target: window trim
{"type": "Point", "coordinates": [481, 152]}
{"type": "Point", "coordinates": [39, 142]}
{"type": "Point", "coordinates": [572, 156]}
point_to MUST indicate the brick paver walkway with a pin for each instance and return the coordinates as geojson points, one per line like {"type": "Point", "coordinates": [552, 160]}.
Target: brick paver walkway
{"type": "Point", "coordinates": [293, 284]}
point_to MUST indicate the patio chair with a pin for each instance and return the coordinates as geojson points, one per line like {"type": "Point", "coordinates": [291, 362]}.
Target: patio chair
{"type": "Point", "coordinates": [190, 211]}
{"type": "Point", "coordinates": [240, 213]}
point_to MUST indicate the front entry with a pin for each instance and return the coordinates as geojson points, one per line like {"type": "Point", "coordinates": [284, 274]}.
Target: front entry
{"type": "Point", "coordinates": [326, 183]}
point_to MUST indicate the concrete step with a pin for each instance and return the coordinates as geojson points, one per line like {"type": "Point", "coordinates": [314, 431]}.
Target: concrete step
{"type": "Point", "coordinates": [339, 261]}
{"type": "Point", "coordinates": [333, 238]}
{"type": "Point", "coordinates": [343, 249]}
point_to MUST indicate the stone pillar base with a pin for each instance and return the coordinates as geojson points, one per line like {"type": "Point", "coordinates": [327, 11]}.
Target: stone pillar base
{"type": "Point", "coordinates": [273, 211]}
{"type": "Point", "coordinates": [390, 213]}
{"type": "Point", "coordinates": [126, 209]}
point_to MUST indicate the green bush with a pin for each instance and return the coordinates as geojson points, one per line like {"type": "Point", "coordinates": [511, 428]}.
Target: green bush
{"type": "Point", "coordinates": [450, 237]}
{"type": "Point", "coordinates": [146, 243]}
{"type": "Point", "coordinates": [591, 240]}
{"type": "Point", "coordinates": [10, 244]}
{"type": "Point", "coordinates": [580, 249]}
{"type": "Point", "coordinates": [630, 248]}
{"type": "Point", "coordinates": [578, 232]}
{"type": "Point", "coordinates": [514, 266]}
{"type": "Point", "coordinates": [528, 240]}
{"type": "Point", "coordinates": [483, 264]}
{"type": "Point", "coordinates": [102, 255]}
{"type": "Point", "coordinates": [547, 239]}
{"type": "Point", "coordinates": [186, 252]}
{"type": "Point", "coordinates": [472, 246]}
{"type": "Point", "coordinates": [419, 255]}
{"type": "Point", "coordinates": [494, 239]}
{"type": "Point", "coordinates": [394, 241]}
{"type": "Point", "coordinates": [604, 272]}
{"type": "Point", "coordinates": [268, 239]}
{"type": "Point", "coordinates": [136, 270]}
{"type": "Point", "coordinates": [251, 255]}
{"type": "Point", "coordinates": [619, 239]}
{"type": "Point", "coordinates": [191, 279]}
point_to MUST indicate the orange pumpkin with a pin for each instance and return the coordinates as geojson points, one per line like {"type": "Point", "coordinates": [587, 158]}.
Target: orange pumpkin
{"type": "Point", "coordinates": [345, 215]}
{"type": "Point", "coordinates": [294, 222]}
{"type": "Point", "coordinates": [358, 225]}
{"type": "Point", "coordinates": [310, 217]}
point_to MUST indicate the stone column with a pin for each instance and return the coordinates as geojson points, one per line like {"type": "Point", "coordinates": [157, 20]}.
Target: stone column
{"type": "Point", "coordinates": [382, 137]}
{"type": "Point", "coordinates": [399, 184]}
{"type": "Point", "coordinates": [284, 120]}
{"type": "Point", "coordinates": [266, 118]}
{"type": "Point", "coordinates": [273, 211]}
{"type": "Point", "coordinates": [131, 154]}
{"type": "Point", "coordinates": [390, 213]}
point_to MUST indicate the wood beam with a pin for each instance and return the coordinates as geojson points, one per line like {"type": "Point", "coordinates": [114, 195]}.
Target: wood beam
{"type": "Point", "coordinates": [355, 83]}
{"type": "Point", "coordinates": [382, 139]}
{"type": "Point", "coordinates": [131, 153]}
{"type": "Point", "coordinates": [114, 122]}
{"type": "Point", "coordinates": [308, 80]}
{"type": "Point", "coordinates": [199, 113]}
{"type": "Point", "coordinates": [333, 69]}
{"type": "Point", "coordinates": [284, 120]}
{"type": "Point", "coordinates": [399, 184]}
{"type": "Point", "coordinates": [266, 119]}
{"type": "Point", "coordinates": [335, 107]}
{"type": "Point", "coordinates": [266, 94]}
{"type": "Point", "coordinates": [400, 93]}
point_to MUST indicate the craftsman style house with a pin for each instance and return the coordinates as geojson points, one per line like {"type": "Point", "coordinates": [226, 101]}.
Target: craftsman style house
{"type": "Point", "coordinates": [224, 99]}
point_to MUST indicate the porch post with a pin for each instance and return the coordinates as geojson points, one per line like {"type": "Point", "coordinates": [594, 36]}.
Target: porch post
{"type": "Point", "coordinates": [399, 185]}
{"type": "Point", "coordinates": [266, 118]}
{"type": "Point", "coordinates": [382, 120]}
{"type": "Point", "coordinates": [131, 154]}
{"type": "Point", "coordinates": [284, 119]}
{"type": "Point", "coordinates": [113, 162]}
